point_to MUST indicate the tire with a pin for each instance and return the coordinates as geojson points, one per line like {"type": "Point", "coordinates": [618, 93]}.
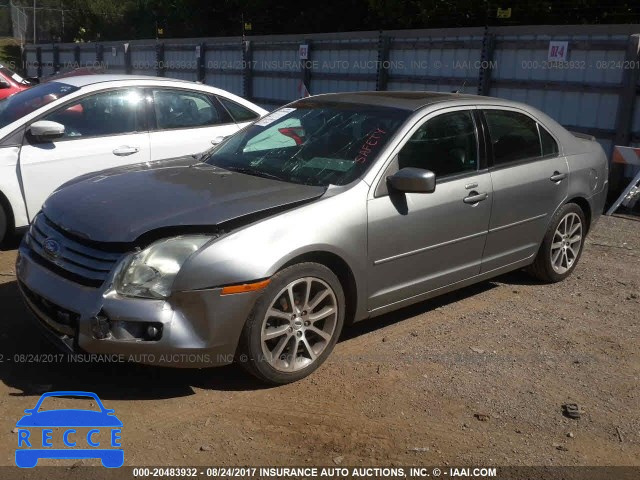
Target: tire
{"type": "Point", "coordinates": [3, 225]}
{"type": "Point", "coordinates": [311, 331]}
{"type": "Point", "coordinates": [559, 253]}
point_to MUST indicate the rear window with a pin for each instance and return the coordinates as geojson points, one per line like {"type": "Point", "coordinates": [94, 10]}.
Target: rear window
{"type": "Point", "coordinates": [13, 75]}
{"type": "Point", "coordinates": [514, 136]}
{"type": "Point", "coordinates": [238, 112]}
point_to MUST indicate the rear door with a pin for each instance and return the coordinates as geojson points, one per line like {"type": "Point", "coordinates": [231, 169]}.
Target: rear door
{"type": "Point", "coordinates": [186, 122]}
{"type": "Point", "coordinates": [530, 180]}
{"type": "Point", "coordinates": [102, 130]}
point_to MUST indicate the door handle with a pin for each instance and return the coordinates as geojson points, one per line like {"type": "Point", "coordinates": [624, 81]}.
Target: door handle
{"type": "Point", "coordinates": [125, 150]}
{"type": "Point", "coordinates": [475, 197]}
{"type": "Point", "coordinates": [557, 176]}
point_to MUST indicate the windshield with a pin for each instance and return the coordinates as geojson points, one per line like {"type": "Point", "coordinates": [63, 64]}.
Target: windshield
{"type": "Point", "coordinates": [27, 101]}
{"type": "Point", "coordinates": [311, 143]}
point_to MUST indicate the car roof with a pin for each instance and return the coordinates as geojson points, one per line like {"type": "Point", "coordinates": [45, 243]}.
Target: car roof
{"type": "Point", "coordinates": [84, 80]}
{"type": "Point", "coordinates": [404, 100]}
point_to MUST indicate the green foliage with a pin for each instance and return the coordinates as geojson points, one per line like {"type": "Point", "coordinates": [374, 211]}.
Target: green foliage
{"type": "Point", "coordinates": [91, 20]}
{"type": "Point", "coordinates": [10, 55]}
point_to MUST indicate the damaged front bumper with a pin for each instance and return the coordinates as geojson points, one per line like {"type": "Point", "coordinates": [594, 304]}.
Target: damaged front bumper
{"type": "Point", "coordinates": [190, 329]}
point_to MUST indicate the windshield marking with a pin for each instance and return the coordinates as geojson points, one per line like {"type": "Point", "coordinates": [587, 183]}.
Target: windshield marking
{"type": "Point", "coordinates": [372, 140]}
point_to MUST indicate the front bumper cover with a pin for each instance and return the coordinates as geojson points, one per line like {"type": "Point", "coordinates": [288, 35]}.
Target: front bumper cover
{"type": "Point", "coordinates": [198, 328]}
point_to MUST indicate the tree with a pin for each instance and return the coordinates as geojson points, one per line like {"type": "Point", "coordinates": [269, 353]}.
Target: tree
{"type": "Point", "coordinates": [91, 20]}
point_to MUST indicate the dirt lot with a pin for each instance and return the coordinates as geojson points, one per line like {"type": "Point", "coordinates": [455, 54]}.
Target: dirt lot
{"type": "Point", "coordinates": [402, 389]}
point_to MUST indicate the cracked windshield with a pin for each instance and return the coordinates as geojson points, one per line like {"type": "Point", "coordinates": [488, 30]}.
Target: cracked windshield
{"type": "Point", "coordinates": [317, 144]}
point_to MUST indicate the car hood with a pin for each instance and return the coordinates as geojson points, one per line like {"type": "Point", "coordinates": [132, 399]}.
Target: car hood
{"type": "Point", "coordinates": [121, 205]}
{"type": "Point", "coordinates": [69, 418]}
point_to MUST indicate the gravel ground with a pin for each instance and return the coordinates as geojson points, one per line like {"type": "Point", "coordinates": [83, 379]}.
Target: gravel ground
{"type": "Point", "coordinates": [474, 377]}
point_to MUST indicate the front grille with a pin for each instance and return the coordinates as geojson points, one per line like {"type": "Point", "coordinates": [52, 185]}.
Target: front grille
{"type": "Point", "coordinates": [76, 261]}
{"type": "Point", "coordinates": [58, 319]}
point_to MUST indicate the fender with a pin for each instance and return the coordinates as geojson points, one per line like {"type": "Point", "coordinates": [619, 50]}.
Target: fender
{"type": "Point", "coordinates": [240, 256]}
{"type": "Point", "coordinates": [10, 185]}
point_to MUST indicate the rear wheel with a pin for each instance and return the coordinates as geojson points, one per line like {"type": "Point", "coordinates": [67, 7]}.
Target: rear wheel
{"type": "Point", "coordinates": [294, 325]}
{"type": "Point", "coordinates": [562, 245]}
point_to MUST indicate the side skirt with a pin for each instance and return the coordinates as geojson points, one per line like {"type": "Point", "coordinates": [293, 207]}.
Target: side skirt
{"type": "Point", "coordinates": [451, 287]}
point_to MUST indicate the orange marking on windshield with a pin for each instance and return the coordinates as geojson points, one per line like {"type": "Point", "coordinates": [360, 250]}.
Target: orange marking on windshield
{"type": "Point", "coordinates": [367, 147]}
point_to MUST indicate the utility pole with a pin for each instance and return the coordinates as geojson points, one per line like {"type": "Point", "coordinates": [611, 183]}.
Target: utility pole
{"type": "Point", "coordinates": [34, 22]}
{"type": "Point", "coordinates": [242, 20]}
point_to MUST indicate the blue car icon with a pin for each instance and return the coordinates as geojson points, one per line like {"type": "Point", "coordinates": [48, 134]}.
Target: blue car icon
{"type": "Point", "coordinates": [31, 448]}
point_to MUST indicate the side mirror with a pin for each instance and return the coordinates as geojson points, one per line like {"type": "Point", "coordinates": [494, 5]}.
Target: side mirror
{"type": "Point", "coordinates": [413, 180]}
{"type": "Point", "coordinates": [45, 130]}
{"type": "Point", "coordinates": [4, 83]}
{"type": "Point", "coordinates": [219, 139]}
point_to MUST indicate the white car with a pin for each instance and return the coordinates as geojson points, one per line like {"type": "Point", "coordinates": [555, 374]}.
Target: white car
{"type": "Point", "coordinates": [56, 131]}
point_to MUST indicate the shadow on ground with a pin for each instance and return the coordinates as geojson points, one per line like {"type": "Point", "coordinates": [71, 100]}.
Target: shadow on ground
{"type": "Point", "coordinates": [21, 341]}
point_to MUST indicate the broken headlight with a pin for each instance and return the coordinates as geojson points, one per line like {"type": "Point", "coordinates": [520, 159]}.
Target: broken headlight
{"type": "Point", "coordinates": [151, 272]}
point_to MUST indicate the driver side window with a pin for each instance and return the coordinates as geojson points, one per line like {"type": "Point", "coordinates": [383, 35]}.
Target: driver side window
{"type": "Point", "coordinates": [446, 145]}
{"type": "Point", "coordinates": [114, 112]}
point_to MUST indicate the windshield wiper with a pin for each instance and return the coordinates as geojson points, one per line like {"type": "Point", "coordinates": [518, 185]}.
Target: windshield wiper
{"type": "Point", "coordinates": [253, 171]}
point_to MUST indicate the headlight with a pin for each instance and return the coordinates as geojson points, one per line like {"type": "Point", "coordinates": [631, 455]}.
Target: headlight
{"type": "Point", "coordinates": [150, 273]}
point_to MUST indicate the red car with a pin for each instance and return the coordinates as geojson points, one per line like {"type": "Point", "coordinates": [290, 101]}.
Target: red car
{"type": "Point", "coordinates": [11, 82]}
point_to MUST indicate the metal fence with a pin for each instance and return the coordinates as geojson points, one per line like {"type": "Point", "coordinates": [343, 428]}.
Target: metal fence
{"type": "Point", "coordinates": [595, 90]}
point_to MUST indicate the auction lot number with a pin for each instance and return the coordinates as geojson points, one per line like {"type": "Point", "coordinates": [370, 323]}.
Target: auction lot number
{"type": "Point", "coordinates": [165, 472]}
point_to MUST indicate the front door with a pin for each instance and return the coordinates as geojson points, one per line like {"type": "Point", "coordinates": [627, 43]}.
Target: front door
{"type": "Point", "coordinates": [102, 130]}
{"type": "Point", "coordinates": [419, 242]}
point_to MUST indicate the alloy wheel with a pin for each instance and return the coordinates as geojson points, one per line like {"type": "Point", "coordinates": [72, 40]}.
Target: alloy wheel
{"type": "Point", "coordinates": [567, 242]}
{"type": "Point", "coordinates": [299, 324]}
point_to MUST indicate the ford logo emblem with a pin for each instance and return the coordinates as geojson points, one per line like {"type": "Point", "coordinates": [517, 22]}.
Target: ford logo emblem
{"type": "Point", "coordinates": [51, 247]}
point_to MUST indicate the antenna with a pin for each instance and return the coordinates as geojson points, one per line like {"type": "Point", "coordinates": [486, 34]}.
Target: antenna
{"type": "Point", "coordinates": [460, 89]}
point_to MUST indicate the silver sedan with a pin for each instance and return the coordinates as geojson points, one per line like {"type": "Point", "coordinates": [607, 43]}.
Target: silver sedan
{"type": "Point", "coordinates": [334, 209]}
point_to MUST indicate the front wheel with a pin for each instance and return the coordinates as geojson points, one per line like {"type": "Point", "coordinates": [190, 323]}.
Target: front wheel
{"type": "Point", "coordinates": [3, 224]}
{"type": "Point", "coordinates": [294, 325]}
{"type": "Point", "coordinates": [562, 245]}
